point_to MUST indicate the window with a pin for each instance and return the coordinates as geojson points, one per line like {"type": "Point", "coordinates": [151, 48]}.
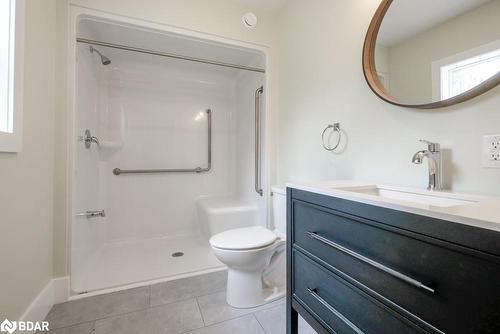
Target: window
{"type": "Point", "coordinates": [464, 75]}
{"type": "Point", "coordinates": [5, 110]}
{"type": "Point", "coordinates": [11, 60]}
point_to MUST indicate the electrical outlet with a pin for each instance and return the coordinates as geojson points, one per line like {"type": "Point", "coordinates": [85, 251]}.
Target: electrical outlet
{"type": "Point", "coordinates": [491, 151]}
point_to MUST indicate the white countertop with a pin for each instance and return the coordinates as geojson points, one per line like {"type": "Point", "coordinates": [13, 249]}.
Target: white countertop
{"type": "Point", "coordinates": [481, 211]}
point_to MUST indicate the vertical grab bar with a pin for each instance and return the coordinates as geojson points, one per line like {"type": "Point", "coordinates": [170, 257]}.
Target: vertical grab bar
{"type": "Point", "coordinates": [258, 171]}
{"type": "Point", "coordinates": [209, 140]}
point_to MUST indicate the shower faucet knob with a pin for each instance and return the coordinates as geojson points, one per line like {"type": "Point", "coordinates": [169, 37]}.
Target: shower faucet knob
{"type": "Point", "coordinates": [92, 214]}
{"type": "Point", "coordinates": [89, 139]}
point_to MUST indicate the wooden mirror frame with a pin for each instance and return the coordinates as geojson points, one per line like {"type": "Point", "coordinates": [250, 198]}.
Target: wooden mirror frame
{"type": "Point", "coordinates": [376, 86]}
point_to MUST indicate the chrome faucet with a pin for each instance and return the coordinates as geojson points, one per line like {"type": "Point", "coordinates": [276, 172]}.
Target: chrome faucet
{"type": "Point", "coordinates": [433, 155]}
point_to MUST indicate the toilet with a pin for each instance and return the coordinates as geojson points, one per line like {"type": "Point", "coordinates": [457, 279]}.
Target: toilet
{"type": "Point", "coordinates": [255, 257]}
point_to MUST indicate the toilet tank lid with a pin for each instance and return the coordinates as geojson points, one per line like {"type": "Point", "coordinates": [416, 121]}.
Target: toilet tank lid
{"type": "Point", "coordinates": [279, 190]}
{"type": "Point", "coordinates": [243, 238]}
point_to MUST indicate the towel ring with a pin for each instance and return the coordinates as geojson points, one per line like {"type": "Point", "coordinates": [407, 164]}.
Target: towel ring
{"type": "Point", "coordinates": [336, 128]}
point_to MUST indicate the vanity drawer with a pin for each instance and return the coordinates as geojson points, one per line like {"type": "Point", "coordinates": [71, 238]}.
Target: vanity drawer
{"type": "Point", "coordinates": [341, 306]}
{"type": "Point", "coordinates": [440, 286]}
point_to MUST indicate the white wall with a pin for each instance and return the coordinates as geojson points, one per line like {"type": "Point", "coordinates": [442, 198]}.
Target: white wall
{"type": "Point", "coordinates": [26, 178]}
{"type": "Point", "coordinates": [322, 81]}
{"type": "Point", "coordinates": [60, 195]}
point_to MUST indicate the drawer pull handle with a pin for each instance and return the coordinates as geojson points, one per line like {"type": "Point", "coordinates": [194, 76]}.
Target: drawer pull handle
{"type": "Point", "coordinates": [372, 263]}
{"type": "Point", "coordinates": [334, 311]}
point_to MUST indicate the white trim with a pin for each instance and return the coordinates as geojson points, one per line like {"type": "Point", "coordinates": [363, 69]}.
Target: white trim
{"type": "Point", "coordinates": [12, 142]}
{"type": "Point", "coordinates": [75, 14]}
{"type": "Point", "coordinates": [471, 53]}
{"type": "Point", "coordinates": [61, 289]}
{"type": "Point", "coordinates": [56, 291]}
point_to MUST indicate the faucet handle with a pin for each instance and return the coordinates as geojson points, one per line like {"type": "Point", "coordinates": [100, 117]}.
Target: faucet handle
{"type": "Point", "coordinates": [432, 147]}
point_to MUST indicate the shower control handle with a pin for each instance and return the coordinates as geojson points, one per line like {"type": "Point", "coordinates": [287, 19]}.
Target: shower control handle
{"type": "Point", "coordinates": [92, 214]}
{"type": "Point", "coordinates": [89, 139]}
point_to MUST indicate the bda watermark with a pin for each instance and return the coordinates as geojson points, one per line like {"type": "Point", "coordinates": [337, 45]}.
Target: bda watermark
{"type": "Point", "coordinates": [8, 326]}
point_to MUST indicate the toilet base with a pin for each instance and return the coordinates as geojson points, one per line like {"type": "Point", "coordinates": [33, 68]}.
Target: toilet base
{"type": "Point", "coordinates": [246, 290]}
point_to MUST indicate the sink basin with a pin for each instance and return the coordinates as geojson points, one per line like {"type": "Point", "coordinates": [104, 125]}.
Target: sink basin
{"type": "Point", "coordinates": [439, 199]}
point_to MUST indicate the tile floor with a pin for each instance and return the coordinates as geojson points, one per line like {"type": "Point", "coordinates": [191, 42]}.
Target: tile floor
{"type": "Point", "coordinates": [195, 305]}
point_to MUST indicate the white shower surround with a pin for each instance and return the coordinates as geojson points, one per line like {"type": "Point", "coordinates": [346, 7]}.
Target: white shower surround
{"type": "Point", "coordinates": [151, 216]}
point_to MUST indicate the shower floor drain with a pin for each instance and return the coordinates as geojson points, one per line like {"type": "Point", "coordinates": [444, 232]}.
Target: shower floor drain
{"type": "Point", "coordinates": [177, 254]}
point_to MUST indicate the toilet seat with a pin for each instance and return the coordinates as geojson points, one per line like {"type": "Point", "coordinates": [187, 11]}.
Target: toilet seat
{"type": "Point", "coordinates": [246, 238]}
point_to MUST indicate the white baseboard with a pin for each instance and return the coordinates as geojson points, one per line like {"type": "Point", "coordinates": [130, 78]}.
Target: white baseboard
{"type": "Point", "coordinates": [61, 289]}
{"type": "Point", "coordinates": [56, 291]}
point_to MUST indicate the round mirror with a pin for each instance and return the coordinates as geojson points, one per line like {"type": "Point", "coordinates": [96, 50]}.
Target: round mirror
{"type": "Point", "coordinates": [430, 54]}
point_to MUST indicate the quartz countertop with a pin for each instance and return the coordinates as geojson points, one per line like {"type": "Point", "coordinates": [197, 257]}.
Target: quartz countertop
{"type": "Point", "coordinates": [479, 211]}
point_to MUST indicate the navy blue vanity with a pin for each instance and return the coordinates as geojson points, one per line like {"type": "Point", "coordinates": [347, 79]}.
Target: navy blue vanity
{"type": "Point", "coordinates": [360, 268]}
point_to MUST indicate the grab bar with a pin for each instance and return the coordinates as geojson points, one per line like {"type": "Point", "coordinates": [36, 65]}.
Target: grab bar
{"type": "Point", "coordinates": [258, 176]}
{"type": "Point", "coordinates": [118, 171]}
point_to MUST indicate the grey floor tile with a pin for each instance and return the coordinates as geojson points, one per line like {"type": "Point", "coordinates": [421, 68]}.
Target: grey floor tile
{"type": "Point", "coordinates": [167, 319]}
{"type": "Point", "coordinates": [304, 327]}
{"type": "Point", "coordinates": [244, 325]}
{"type": "Point", "coordinates": [92, 308]}
{"type": "Point", "coordinates": [186, 288]}
{"type": "Point", "coordinates": [273, 321]}
{"type": "Point", "coordinates": [85, 328]}
{"type": "Point", "coordinates": [214, 308]}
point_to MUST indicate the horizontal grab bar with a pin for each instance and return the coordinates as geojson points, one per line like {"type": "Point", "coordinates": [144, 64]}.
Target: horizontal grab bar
{"type": "Point", "coordinates": [118, 171]}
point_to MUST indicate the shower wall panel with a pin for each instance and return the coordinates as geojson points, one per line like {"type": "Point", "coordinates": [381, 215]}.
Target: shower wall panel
{"type": "Point", "coordinates": [163, 103]}
{"type": "Point", "coordinates": [87, 235]}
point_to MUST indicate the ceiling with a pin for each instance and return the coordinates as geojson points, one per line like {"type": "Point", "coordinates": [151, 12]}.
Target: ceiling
{"type": "Point", "coordinates": [266, 5]}
{"type": "Point", "coordinates": [425, 14]}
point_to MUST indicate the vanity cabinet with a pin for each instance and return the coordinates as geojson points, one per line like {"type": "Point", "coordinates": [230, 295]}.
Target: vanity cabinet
{"type": "Point", "coordinates": [359, 268]}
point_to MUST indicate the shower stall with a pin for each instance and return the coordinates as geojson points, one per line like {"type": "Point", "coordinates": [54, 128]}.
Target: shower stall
{"type": "Point", "coordinates": [169, 148]}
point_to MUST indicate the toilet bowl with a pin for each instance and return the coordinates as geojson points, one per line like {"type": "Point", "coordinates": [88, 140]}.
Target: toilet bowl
{"type": "Point", "coordinates": [253, 255]}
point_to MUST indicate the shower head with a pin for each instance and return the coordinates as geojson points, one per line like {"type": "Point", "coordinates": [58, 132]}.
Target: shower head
{"type": "Point", "coordinates": [104, 60]}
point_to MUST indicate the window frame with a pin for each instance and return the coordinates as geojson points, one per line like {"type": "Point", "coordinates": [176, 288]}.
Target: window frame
{"type": "Point", "coordinates": [457, 58]}
{"type": "Point", "coordinates": [12, 141]}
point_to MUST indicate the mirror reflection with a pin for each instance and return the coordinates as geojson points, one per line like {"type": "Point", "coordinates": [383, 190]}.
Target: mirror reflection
{"type": "Point", "coordinates": [429, 51]}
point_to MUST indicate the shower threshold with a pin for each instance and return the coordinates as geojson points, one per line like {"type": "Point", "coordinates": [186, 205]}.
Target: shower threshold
{"type": "Point", "coordinates": [120, 265]}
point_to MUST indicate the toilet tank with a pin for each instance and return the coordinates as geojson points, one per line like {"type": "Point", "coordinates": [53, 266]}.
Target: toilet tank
{"type": "Point", "coordinates": [279, 209]}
